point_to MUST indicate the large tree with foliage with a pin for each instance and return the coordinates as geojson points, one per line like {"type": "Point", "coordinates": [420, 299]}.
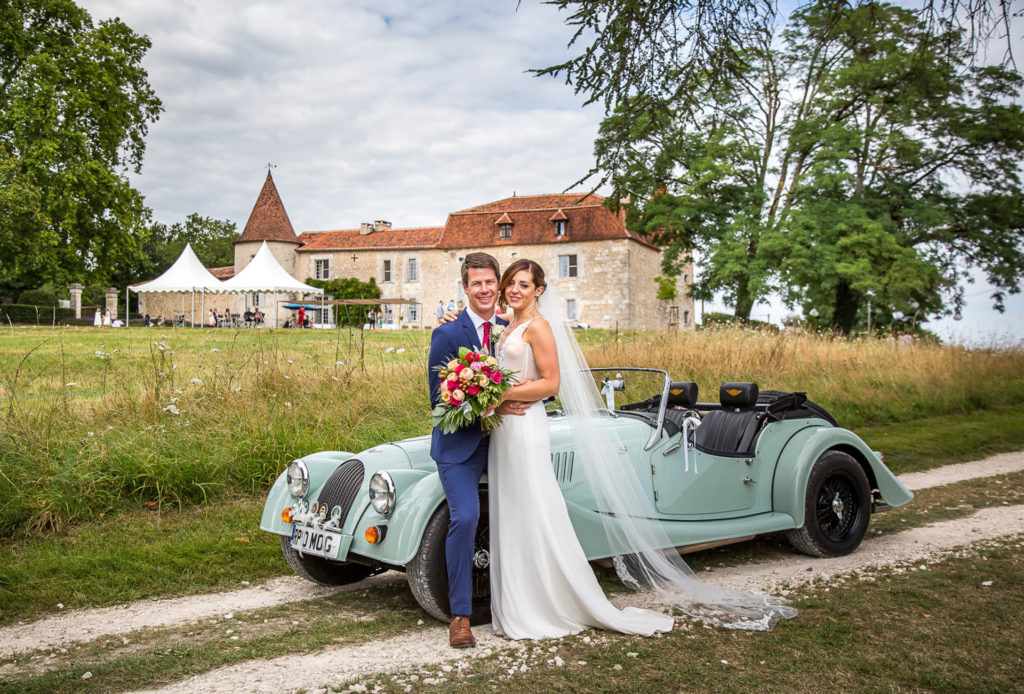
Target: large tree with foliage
{"type": "Point", "coordinates": [212, 240]}
{"type": "Point", "coordinates": [75, 106]}
{"type": "Point", "coordinates": [859, 156]}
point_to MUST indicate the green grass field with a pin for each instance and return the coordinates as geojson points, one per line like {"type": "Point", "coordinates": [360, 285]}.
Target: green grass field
{"type": "Point", "coordinates": [95, 421]}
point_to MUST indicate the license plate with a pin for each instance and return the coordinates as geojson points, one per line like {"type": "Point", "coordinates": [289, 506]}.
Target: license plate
{"type": "Point", "coordinates": [313, 541]}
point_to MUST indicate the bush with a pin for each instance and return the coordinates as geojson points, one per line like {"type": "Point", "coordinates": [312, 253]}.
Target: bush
{"type": "Point", "coordinates": [38, 297]}
{"type": "Point", "coordinates": [717, 319]}
{"type": "Point", "coordinates": [34, 315]}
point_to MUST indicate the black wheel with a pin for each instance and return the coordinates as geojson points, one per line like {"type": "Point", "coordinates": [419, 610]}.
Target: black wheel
{"type": "Point", "coordinates": [320, 570]}
{"type": "Point", "coordinates": [837, 507]}
{"type": "Point", "coordinates": [428, 572]}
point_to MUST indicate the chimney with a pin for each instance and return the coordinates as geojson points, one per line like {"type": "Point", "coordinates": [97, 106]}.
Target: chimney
{"type": "Point", "coordinates": [366, 228]}
{"type": "Point", "coordinates": [381, 225]}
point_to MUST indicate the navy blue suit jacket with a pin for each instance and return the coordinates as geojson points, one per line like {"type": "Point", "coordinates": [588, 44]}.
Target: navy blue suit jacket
{"type": "Point", "coordinates": [444, 343]}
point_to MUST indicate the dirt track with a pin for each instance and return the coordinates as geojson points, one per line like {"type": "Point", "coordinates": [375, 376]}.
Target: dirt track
{"type": "Point", "coordinates": [334, 667]}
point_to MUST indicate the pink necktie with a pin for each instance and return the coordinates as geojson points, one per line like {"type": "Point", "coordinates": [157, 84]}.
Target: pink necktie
{"type": "Point", "coordinates": [487, 336]}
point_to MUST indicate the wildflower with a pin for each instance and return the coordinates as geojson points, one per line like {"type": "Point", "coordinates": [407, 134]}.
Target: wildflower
{"type": "Point", "coordinates": [290, 361]}
{"type": "Point", "coordinates": [70, 385]}
{"type": "Point", "coordinates": [401, 351]}
{"type": "Point", "coordinates": [287, 404]}
{"type": "Point", "coordinates": [196, 382]}
{"type": "Point", "coordinates": [214, 350]}
{"type": "Point", "coordinates": [100, 354]}
{"type": "Point", "coordinates": [389, 349]}
{"type": "Point", "coordinates": [339, 363]}
{"type": "Point", "coordinates": [173, 409]}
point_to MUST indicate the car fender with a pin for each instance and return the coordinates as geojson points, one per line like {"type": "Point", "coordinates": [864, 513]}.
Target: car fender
{"type": "Point", "coordinates": [789, 484]}
{"type": "Point", "coordinates": [320, 465]}
{"type": "Point", "coordinates": [419, 494]}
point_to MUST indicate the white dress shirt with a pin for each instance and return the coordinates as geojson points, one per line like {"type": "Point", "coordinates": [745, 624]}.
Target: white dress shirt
{"type": "Point", "coordinates": [478, 323]}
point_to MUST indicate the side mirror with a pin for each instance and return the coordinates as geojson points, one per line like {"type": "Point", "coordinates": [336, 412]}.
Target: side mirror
{"type": "Point", "coordinates": [608, 388]}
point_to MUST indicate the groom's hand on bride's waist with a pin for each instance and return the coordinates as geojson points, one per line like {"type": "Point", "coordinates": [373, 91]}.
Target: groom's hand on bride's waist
{"type": "Point", "coordinates": [514, 407]}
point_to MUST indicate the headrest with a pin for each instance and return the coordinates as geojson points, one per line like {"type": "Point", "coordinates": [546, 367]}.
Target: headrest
{"type": "Point", "coordinates": [682, 394]}
{"type": "Point", "coordinates": [741, 395]}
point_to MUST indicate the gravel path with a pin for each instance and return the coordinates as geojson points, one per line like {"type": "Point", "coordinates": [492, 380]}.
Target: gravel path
{"type": "Point", "coordinates": [428, 648]}
{"type": "Point", "coordinates": [86, 625]}
{"type": "Point", "coordinates": [948, 474]}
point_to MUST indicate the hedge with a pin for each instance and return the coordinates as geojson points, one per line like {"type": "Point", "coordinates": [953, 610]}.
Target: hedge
{"type": "Point", "coordinates": [35, 315]}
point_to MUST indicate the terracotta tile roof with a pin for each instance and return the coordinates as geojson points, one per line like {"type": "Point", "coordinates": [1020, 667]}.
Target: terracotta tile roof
{"type": "Point", "coordinates": [222, 273]}
{"type": "Point", "coordinates": [269, 220]}
{"type": "Point", "coordinates": [522, 203]}
{"type": "Point", "coordinates": [351, 239]}
{"type": "Point", "coordinates": [533, 218]}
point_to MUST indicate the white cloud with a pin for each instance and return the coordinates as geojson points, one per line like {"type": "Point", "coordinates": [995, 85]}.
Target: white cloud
{"type": "Point", "coordinates": [399, 110]}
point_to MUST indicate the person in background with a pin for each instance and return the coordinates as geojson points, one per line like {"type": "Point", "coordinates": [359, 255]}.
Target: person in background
{"type": "Point", "coordinates": [371, 318]}
{"type": "Point", "coordinates": [440, 311]}
{"type": "Point", "coordinates": [106, 318]}
{"type": "Point", "coordinates": [97, 320]}
{"type": "Point", "coordinates": [302, 316]}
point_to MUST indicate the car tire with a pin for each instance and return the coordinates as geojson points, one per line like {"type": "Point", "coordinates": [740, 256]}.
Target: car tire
{"type": "Point", "coordinates": [428, 571]}
{"type": "Point", "coordinates": [320, 570]}
{"type": "Point", "coordinates": [837, 507]}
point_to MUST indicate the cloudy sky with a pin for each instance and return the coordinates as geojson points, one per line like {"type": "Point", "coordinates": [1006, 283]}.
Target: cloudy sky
{"type": "Point", "coordinates": [375, 109]}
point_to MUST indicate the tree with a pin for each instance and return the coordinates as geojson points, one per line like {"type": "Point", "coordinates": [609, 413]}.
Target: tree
{"type": "Point", "coordinates": [831, 164]}
{"type": "Point", "coordinates": [657, 47]}
{"type": "Point", "coordinates": [75, 106]}
{"type": "Point", "coordinates": [211, 239]}
{"type": "Point", "coordinates": [348, 288]}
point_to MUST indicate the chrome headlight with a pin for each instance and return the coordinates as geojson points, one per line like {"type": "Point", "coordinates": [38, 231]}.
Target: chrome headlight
{"type": "Point", "coordinates": [382, 493]}
{"type": "Point", "coordinates": [298, 478]}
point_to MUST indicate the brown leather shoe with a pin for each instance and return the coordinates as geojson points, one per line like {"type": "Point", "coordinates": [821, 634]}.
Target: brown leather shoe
{"type": "Point", "coordinates": [459, 635]}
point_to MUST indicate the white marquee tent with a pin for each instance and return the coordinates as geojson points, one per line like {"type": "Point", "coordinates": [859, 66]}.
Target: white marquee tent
{"type": "Point", "coordinates": [265, 274]}
{"type": "Point", "coordinates": [186, 275]}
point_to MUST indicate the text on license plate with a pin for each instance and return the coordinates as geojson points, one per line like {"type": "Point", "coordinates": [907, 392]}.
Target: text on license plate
{"type": "Point", "coordinates": [319, 542]}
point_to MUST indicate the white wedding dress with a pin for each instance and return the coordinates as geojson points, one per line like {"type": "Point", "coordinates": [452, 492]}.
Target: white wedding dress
{"type": "Point", "coordinates": [541, 583]}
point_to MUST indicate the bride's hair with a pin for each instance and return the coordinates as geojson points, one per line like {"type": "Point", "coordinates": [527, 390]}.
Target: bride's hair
{"type": "Point", "coordinates": [536, 271]}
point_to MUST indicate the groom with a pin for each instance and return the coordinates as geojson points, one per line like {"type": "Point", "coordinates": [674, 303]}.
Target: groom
{"type": "Point", "coordinates": [461, 457]}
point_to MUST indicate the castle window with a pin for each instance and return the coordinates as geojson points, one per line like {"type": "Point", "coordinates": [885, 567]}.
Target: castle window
{"type": "Point", "coordinates": [413, 275]}
{"type": "Point", "coordinates": [322, 269]}
{"type": "Point", "coordinates": [505, 231]}
{"type": "Point", "coordinates": [559, 228]}
{"type": "Point", "coordinates": [385, 274]}
{"type": "Point", "coordinates": [568, 266]}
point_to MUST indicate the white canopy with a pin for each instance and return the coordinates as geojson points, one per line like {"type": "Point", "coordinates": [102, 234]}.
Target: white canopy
{"type": "Point", "coordinates": [186, 275]}
{"type": "Point", "coordinates": [265, 274]}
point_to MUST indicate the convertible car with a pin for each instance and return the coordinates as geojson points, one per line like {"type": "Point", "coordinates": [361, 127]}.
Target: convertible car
{"type": "Point", "coordinates": [716, 472]}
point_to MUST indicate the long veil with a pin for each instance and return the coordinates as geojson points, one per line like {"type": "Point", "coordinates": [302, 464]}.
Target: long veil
{"type": "Point", "coordinates": [644, 557]}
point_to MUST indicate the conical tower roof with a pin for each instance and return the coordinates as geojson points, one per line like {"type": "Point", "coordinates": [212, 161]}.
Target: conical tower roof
{"type": "Point", "coordinates": [269, 220]}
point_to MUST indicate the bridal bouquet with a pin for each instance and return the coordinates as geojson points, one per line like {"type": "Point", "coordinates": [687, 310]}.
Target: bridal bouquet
{"type": "Point", "coordinates": [471, 384]}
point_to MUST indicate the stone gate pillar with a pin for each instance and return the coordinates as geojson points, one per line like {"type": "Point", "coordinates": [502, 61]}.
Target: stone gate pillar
{"type": "Point", "coordinates": [112, 293]}
{"type": "Point", "coordinates": [76, 298]}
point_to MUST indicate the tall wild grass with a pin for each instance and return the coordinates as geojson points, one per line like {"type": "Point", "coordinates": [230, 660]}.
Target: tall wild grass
{"type": "Point", "coordinates": [93, 420]}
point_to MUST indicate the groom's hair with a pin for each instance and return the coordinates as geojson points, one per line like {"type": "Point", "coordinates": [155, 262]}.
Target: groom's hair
{"type": "Point", "coordinates": [482, 260]}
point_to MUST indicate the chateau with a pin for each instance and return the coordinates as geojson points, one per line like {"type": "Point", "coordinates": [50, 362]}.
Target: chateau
{"type": "Point", "coordinates": [604, 272]}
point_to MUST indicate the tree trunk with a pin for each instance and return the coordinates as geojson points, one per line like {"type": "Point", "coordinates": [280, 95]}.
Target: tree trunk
{"type": "Point", "coordinates": [845, 314]}
{"type": "Point", "coordinates": [744, 302]}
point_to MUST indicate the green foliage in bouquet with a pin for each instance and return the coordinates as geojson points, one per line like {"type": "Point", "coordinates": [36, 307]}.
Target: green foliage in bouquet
{"type": "Point", "coordinates": [471, 385]}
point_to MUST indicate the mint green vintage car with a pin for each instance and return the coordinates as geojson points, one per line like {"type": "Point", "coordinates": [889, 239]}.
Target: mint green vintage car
{"type": "Point", "coordinates": [752, 463]}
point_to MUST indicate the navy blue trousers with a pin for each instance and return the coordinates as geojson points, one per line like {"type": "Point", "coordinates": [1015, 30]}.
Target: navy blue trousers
{"type": "Point", "coordinates": [461, 482]}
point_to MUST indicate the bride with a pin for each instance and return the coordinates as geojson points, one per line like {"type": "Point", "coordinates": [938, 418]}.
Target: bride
{"type": "Point", "coordinates": [542, 585]}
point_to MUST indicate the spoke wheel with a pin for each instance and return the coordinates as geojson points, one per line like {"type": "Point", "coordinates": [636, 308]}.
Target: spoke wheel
{"type": "Point", "coordinates": [837, 507]}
